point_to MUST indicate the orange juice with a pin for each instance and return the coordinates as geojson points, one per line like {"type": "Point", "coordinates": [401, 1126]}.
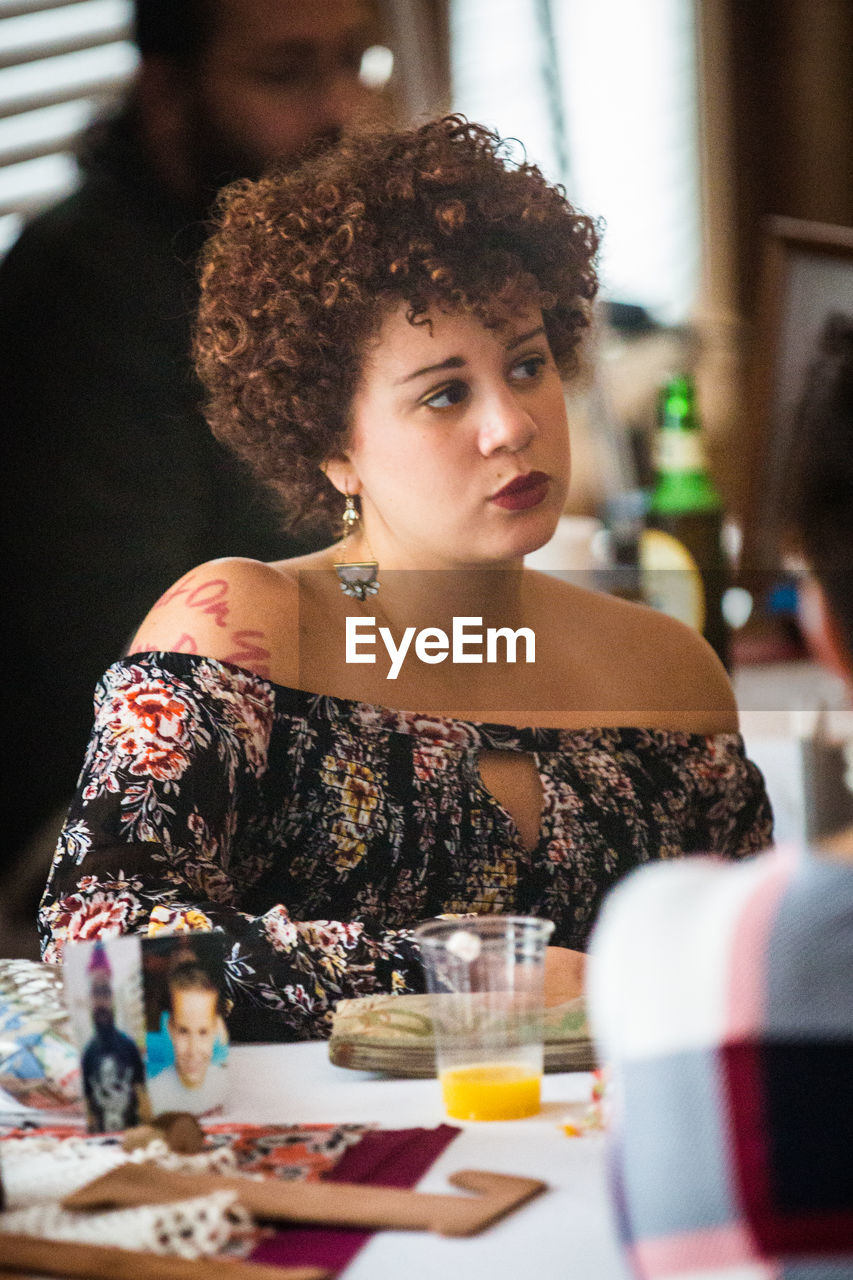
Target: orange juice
{"type": "Point", "coordinates": [491, 1091]}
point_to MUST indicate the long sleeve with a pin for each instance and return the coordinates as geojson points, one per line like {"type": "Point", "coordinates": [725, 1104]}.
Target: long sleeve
{"type": "Point", "coordinates": [164, 833]}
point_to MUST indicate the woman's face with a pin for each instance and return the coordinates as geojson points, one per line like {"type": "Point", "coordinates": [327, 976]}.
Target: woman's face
{"type": "Point", "coordinates": [459, 442]}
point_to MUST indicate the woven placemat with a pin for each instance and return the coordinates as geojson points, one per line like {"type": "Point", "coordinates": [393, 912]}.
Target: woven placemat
{"type": "Point", "coordinates": [394, 1034]}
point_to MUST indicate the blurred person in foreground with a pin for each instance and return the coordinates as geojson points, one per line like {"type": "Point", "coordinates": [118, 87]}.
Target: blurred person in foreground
{"type": "Point", "coordinates": [721, 997]}
{"type": "Point", "coordinates": [385, 332]}
{"type": "Point", "coordinates": [114, 485]}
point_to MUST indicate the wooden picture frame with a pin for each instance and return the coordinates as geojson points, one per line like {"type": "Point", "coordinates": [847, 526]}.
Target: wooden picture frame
{"type": "Point", "coordinates": [806, 276]}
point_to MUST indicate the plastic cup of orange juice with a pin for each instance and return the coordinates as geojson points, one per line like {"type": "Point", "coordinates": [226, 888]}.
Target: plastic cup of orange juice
{"type": "Point", "coordinates": [486, 977]}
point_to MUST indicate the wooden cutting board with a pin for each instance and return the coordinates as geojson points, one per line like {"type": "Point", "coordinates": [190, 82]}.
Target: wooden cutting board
{"type": "Point", "coordinates": [341, 1204]}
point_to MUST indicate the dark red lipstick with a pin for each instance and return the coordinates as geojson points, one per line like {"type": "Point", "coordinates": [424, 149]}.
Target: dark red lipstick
{"type": "Point", "coordinates": [522, 492]}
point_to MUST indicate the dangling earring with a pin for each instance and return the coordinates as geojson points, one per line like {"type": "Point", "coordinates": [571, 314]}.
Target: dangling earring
{"type": "Point", "coordinates": [357, 577]}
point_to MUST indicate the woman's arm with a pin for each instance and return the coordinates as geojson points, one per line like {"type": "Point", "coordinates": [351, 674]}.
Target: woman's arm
{"type": "Point", "coordinates": [565, 971]}
{"type": "Point", "coordinates": [175, 768]}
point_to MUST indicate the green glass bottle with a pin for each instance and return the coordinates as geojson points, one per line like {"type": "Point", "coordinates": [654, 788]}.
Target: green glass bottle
{"type": "Point", "coordinates": [684, 566]}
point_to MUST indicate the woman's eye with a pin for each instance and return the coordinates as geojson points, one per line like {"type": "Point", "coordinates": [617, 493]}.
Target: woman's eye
{"type": "Point", "coordinates": [529, 367]}
{"type": "Point", "coordinates": [446, 397]}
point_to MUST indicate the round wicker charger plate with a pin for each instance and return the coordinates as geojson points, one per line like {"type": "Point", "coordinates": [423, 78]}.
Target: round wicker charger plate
{"type": "Point", "coordinates": [393, 1034]}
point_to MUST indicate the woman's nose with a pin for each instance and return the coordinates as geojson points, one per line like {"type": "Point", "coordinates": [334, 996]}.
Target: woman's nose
{"type": "Point", "coordinates": [506, 425]}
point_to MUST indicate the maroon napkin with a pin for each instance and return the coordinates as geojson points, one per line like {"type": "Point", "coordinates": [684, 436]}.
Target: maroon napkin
{"type": "Point", "coordinates": [383, 1157]}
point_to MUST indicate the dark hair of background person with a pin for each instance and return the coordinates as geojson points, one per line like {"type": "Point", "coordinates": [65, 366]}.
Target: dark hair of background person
{"type": "Point", "coordinates": [306, 263]}
{"type": "Point", "coordinates": [113, 485]}
{"type": "Point", "coordinates": [820, 498]}
{"type": "Point", "coordinates": [176, 29]}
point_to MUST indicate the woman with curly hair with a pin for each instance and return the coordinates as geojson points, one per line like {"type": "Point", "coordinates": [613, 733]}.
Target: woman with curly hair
{"type": "Point", "coordinates": [315, 754]}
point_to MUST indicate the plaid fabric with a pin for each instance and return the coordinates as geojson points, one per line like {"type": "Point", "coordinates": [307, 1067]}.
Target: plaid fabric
{"type": "Point", "coordinates": [721, 1000]}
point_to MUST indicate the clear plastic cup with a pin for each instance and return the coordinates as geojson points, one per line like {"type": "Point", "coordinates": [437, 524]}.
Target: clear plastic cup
{"type": "Point", "coordinates": [486, 976]}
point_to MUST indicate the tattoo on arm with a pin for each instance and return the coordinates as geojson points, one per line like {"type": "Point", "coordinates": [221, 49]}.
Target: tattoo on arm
{"type": "Point", "coordinates": [248, 650]}
{"type": "Point", "coordinates": [209, 595]}
{"type": "Point", "coordinates": [185, 643]}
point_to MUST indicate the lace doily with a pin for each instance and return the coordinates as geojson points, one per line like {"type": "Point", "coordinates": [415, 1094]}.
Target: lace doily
{"type": "Point", "coordinates": [40, 1169]}
{"type": "Point", "coordinates": [198, 1228]}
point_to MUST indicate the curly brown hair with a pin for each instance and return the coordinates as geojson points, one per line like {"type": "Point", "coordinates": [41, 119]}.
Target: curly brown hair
{"type": "Point", "coordinates": [304, 265]}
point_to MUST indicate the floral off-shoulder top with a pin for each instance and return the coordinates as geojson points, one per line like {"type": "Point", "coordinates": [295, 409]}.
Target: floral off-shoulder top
{"type": "Point", "coordinates": [316, 831]}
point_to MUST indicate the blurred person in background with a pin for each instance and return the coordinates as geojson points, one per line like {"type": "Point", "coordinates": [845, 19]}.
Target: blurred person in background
{"type": "Point", "coordinates": [721, 997]}
{"type": "Point", "coordinates": [109, 460]}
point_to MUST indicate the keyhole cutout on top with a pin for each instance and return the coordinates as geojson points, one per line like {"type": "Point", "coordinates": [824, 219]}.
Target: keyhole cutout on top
{"type": "Point", "coordinates": [513, 779]}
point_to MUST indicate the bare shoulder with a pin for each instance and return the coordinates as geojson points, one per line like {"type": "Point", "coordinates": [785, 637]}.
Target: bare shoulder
{"type": "Point", "coordinates": [234, 609]}
{"type": "Point", "coordinates": [683, 670]}
{"type": "Point", "coordinates": [656, 668]}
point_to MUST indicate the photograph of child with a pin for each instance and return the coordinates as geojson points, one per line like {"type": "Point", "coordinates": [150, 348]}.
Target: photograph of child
{"type": "Point", "coordinates": [187, 1041]}
{"type": "Point", "coordinates": [105, 1004]}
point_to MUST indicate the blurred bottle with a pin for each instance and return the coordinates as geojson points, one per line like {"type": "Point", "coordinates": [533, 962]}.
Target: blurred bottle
{"type": "Point", "coordinates": [624, 516]}
{"type": "Point", "coordinates": [684, 566]}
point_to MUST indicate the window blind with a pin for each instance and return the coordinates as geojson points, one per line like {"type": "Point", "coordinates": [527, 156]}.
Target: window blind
{"type": "Point", "coordinates": [61, 61]}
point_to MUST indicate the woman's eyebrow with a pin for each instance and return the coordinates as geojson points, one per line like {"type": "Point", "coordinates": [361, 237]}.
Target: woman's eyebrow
{"type": "Point", "coordinates": [525, 337]}
{"type": "Point", "coordinates": [453, 362]}
{"type": "Point", "coordinates": [457, 362]}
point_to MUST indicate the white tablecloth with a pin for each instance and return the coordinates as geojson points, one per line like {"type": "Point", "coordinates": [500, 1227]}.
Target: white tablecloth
{"type": "Point", "coordinates": [566, 1234]}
